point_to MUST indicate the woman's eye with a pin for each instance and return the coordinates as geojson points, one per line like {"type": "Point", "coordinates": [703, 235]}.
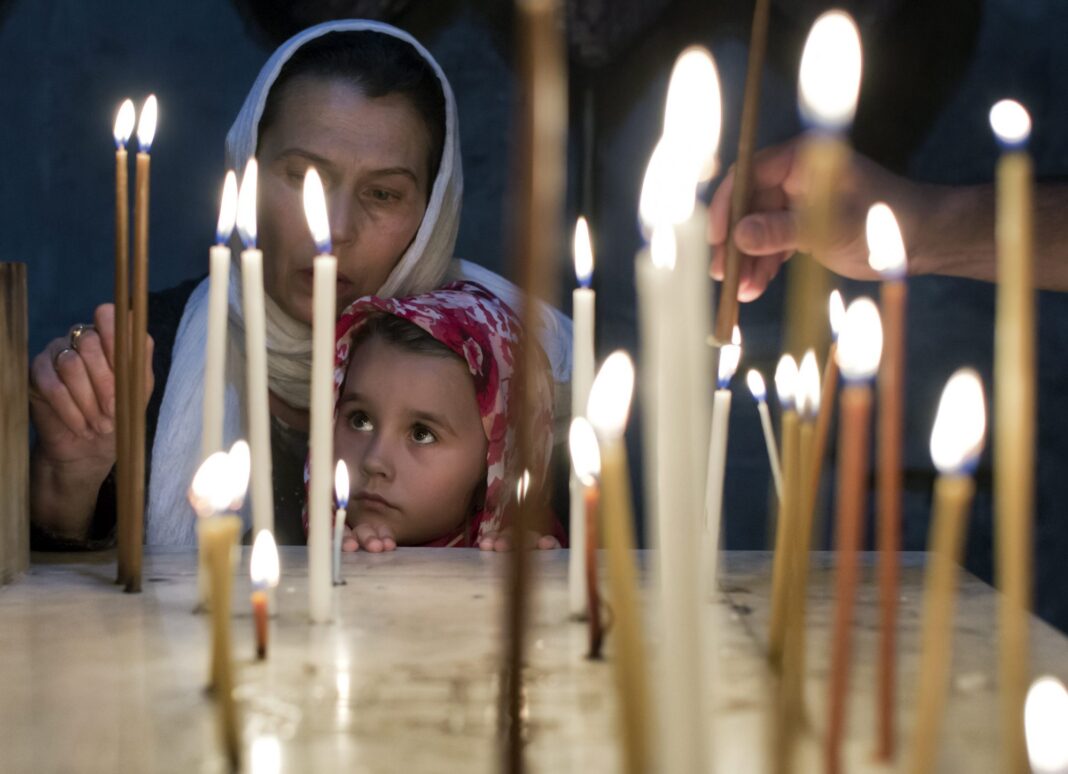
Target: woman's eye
{"type": "Point", "coordinates": [382, 195]}
{"type": "Point", "coordinates": [358, 420]}
{"type": "Point", "coordinates": [423, 435]}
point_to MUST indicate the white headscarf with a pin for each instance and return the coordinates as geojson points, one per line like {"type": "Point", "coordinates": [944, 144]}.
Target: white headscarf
{"type": "Point", "coordinates": [425, 265]}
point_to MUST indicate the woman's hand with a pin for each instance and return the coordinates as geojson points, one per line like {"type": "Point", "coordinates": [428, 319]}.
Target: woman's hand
{"type": "Point", "coordinates": [771, 233]}
{"type": "Point", "coordinates": [502, 541]}
{"type": "Point", "coordinates": [374, 537]}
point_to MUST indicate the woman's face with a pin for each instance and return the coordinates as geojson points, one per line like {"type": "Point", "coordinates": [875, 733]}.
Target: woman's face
{"type": "Point", "coordinates": [409, 428]}
{"type": "Point", "coordinates": [372, 156]}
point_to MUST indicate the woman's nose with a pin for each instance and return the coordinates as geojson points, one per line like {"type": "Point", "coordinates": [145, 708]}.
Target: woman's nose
{"type": "Point", "coordinates": [377, 459]}
{"type": "Point", "coordinates": [342, 220]}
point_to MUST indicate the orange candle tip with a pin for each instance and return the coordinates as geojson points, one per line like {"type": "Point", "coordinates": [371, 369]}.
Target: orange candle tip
{"type": "Point", "coordinates": [259, 612]}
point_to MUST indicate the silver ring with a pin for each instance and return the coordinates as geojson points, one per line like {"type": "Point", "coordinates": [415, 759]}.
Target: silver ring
{"type": "Point", "coordinates": [58, 355]}
{"type": "Point", "coordinates": [76, 333]}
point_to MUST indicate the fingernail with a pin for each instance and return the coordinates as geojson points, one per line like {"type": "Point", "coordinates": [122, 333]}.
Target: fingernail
{"type": "Point", "coordinates": [106, 426]}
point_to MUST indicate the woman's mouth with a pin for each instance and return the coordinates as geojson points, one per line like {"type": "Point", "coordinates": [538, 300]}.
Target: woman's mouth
{"type": "Point", "coordinates": [307, 276]}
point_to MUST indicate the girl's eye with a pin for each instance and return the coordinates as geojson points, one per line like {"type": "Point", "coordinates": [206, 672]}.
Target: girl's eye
{"type": "Point", "coordinates": [358, 420]}
{"type": "Point", "coordinates": [423, 435]}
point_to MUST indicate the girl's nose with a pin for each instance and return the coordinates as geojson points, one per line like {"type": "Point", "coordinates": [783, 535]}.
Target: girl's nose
{"type": "Point", "coordinates": [377, 461]}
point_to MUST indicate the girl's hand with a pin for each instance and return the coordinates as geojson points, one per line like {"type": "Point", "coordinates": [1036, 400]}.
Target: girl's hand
{"type": "Point", "coordinates": [502, 541]}
{"type": "Point", "coordinates": [374, 537]}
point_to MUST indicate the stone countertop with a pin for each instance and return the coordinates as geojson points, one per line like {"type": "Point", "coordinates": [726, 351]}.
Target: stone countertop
{"type": "Point", "coordinates": [406, 677]}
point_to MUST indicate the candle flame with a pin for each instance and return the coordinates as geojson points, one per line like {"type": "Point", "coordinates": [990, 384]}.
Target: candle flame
{"type": "Point", "coordinates": [1044, 717]}
{"type": "Point", "coordinates": [662, 247]}
{"type": "Point", "coordinates": [146, 127]}
{"type": "Point", "coordinates": [729, 356]}
{"type": "Point", "coordinates": [124, 123]}
{"type": "Point", "coordinates": [239, 462]}
{"type": "Point", "coordinates": [786, 381]}
{"type": "Point", "coordinates": [693, 111]}
{"type": "Point", "coordinates": [263, 566]}
{"type": "Point", "coordinates": [668, 188]}
{"type": "Point", "coordinates": [808, 386]}
{"type": "Point", "coordinates": [960, 424]}
{"type": "Point", "coordinates": [210, 491]}
{"type": "Point", "coordinates": [315, 211]}
{"type": "Point", "coordinates": [830, 72]}
{"type": "Point", "coordinates": [583, 253]}
{"type": "Point", "coordinates": [609, 401]}
{"type": "Point", "coordinates": [341, 484]}
{"type": "Point", "coordinates": [266, 755]}
{"type": "Point", "coordinates": [755, 380]}
{"type": "Point", "coordinates": [585, 453]}
{"type": "Point", "coordinates": [246, 204]}
{"type": "Point", "coordinates": [1011, 122]}
{"type": "Point", "coordinates": [227, 210]}
{"type": "Point", "coordinates": [860, 344]}
{"type": "Point", "coordinates": [522, 487]}
{"type": "Point", "coordinates": [837, 313]}
{"type": "Point", "coordinates": [886, 249]}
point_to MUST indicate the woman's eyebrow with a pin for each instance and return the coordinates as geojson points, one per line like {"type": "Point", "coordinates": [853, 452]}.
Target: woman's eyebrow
{"type": "Point", "coordinates": [318, 161]}
{"type": "Point", "coordinates": [387, 171]}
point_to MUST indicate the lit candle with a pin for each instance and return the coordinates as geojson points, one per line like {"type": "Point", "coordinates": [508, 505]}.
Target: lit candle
{"type": "Point", "coordinates": [218, 312]}
{"type": "Point", "coordinates": [729, 355]}
{"type": "Point", "coordinates": [755, 380]}
{"type": "Point", "coordinates": [146, 131]}
{"type": "Point", "coordinates": [793, 664]}
{"type": "Point", "coordinates": [1044, 714]}
{"type": "Point", "coordinates": [208, 494]}
{"type": "Point", "coordinates": [252, 304]}
{"type": "Point", "coordinates": [786, 388]}
{"type": "Point", "coordinates": [582, 305]}
{"type": "Point", "coordinates": [956, 442]}
{"type": "Point", "coordinates": [324, 316]}
{"type": "Point", "coordinates": [829, 392]}
{"type": "Point", "coordinates": [887, 256]}
{"type": "Point", "coordinates": [586, 462]}
{"type": "Point", "coordinates": [341, 493]}
{"type": "Point", "coordinates": [828, 85]}
{"type": "Point", "coordinates": [264, 572]}
{"type": "Point", "coordinates": [1014, 412]}
{"type": "Point", "coordinates": [859, 349]}
{"type": "Point", "coordinates": [219, 535]}
{"type": "Point", "coordinates": [124, 124]}
{"type": "Point", "coordinates": [607, 410]}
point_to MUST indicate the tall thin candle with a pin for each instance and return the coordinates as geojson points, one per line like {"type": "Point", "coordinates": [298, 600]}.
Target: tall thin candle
{"type": "Point", "coordinates": [582, 305]}
{"type": "Point", "coordinates": [211, 438]}
{"type": "Point", "coordinates": [324, 316]}
{"type": "Point", "coordinates": [220, 533]}
{"type": "Point", "coordinates": [887, 256]}
{"type": "Point", "coordinates": [729, 356]}
{"type": "Point", "coordinates": [828, 393]}
{"type": "Point", "coordinates": [146, 132]}
{"type": "Point", "coordinates": [956, 441]}
{"type": "Point", "coordinates": [859, 350]}
{"type": "Point", "coordinates": [1014, 412]}
{"type": "Point", "coordinates": [755, 380]}
{"type": "Point", "coordinates": [124, 124]}
{"type": "Point", "coordinates": [786, 386]}
{"type": "Point", "coordinates": [586, 464]}
{"type": "Point", "coordinates": [252, 301]}
{"type": "Point", "coordinates": [607, 410]}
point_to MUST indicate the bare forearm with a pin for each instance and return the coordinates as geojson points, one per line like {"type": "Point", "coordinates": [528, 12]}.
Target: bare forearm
{"type": "Point", "coordinates": [63, 494]}
{"type": "Point", "coordinates": [955, 236]}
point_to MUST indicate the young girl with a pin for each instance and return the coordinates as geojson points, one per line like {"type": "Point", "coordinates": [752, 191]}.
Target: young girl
{"type": "Point", "coordinates": [426, 420]}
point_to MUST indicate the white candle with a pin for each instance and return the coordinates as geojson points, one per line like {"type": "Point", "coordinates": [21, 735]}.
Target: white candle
{"type": "Point", "coordinates": [259, 416]}
{"type": "Point", "coordinates": [208, 495]}
{"type": "Point", "coordinates": [215, 356]}
{"type": "Point", "coordinates": [1044, 714]}
{"type": "Point", "coordinates": [341, 492]}
{"type": "Point", "coordinates": [321, 442]}
{"type": "Point", "coordinates": [729, 355]}
{"type": "Point", "coordinates": [582, 301]}
{"type": "Point", "coordinates": [755, 380]}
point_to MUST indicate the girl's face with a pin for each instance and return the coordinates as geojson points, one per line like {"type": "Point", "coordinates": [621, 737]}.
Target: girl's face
{"type": "Point", "coordinates": [409, 429]}
{"type": "Point", "coordinates": [372, 156]}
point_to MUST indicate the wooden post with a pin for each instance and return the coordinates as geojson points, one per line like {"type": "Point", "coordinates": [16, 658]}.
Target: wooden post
{"type": "Point", "coordinates": [14, 424]}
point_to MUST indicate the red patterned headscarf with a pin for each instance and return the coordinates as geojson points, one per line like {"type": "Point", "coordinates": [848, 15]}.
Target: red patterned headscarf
{"type": "Point", "coordinates": [484, 332]}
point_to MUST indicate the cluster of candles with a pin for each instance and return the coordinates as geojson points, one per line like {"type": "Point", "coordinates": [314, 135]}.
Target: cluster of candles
{"type": "Point", "coordinates": [685, 439]}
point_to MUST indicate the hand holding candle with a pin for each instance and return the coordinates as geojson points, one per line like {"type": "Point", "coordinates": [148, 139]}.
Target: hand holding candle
{"type": "Point", "coordinates": [321, 441]}
{"type": "Point", "coordinates": [341, 493]}
{"type": "Point", "coordinates": [264, 572]}
{"type": "Point", "coordinates": [956, 442]}
{"type": "Point", "coordinates": [586, 462]}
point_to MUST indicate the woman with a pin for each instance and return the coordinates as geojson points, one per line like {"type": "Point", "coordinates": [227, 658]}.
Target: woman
{"type": "Point", "coordinates": [368, 107]}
